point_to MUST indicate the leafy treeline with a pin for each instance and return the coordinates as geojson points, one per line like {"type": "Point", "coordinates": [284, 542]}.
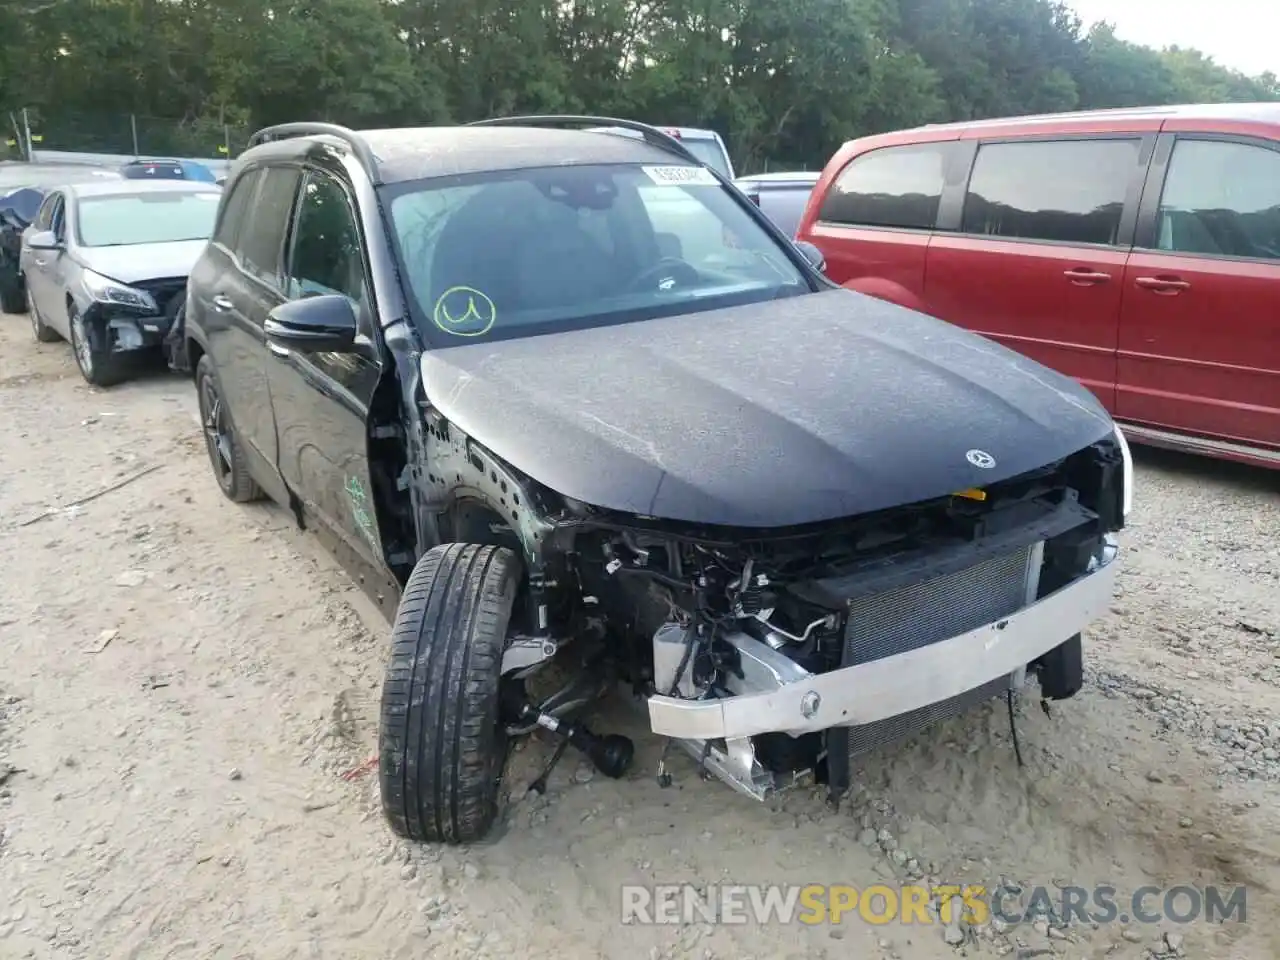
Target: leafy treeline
{"type": "Point", "coordinates": [785, 81]}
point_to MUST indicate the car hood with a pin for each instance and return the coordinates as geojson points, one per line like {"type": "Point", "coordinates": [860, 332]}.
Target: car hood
{"type": "Point", "coordinates": [781, 413]}
{"type": "Point", "coordinates": [138, 262]}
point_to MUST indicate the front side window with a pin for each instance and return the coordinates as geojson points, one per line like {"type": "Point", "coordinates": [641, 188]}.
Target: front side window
{"type": "Point", "coordinates": [44, 219]}
{"type": "Point", "coordinates": [530, 251]}
{"type": "Point", "coordinates": [161, 216]}
{"type": "Point", "coordinates": [326, 255]}
{"type": "Point", "coordinates": [1071, 191]}
{"type": "Point", "coordinates": [260, 244]}
{"type": "Point", "coordinates": [890, 187]}
{"type": "Point", "coordinates": [1221, 199]}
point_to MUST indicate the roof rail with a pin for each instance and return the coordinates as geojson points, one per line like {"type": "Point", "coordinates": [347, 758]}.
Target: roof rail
{"type": "Point", "coordinates": [651, 134]}
{"type": "Point", "coordinates": [357, 143]}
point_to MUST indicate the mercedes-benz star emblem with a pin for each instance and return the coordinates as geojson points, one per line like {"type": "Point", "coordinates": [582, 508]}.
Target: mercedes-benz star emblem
{"type": "Point", "coordinates": [981, 459]}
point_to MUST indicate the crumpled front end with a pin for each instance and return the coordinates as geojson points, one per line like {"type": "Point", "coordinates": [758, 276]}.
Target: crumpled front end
{"type": "Point", "coordinates": [827, 644]}
{"type": "Point", "coordinates": [137, 317]}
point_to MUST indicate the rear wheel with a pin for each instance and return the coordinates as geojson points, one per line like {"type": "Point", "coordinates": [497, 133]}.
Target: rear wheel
{"type": "Point", "coordinates": [441, 744]}
{"type": "Point", "coordinates": [98, 365]}
{"type": "Point", "coordinates": [225, 456]}
{"type": "Point", "coordinates": [39, 329]}
{"type": "Point", "coordinates": [12, 295]}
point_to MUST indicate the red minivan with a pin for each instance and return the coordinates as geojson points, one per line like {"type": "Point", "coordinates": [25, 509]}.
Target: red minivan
{"type": "Point", "coordinates": [1136, 250]}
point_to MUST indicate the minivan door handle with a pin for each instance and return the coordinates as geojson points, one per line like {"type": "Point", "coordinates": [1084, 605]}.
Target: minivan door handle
{"type": "Point", "coordinates": [1083, 276]}
{"type": "Point", "coordinates": [222, 304]}
{"type": "Point", "coordinates": [1165, 286]}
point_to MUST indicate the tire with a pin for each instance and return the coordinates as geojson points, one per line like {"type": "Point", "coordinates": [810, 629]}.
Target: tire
{"type": "Point", "coordinates": [39, 329]}
{"type": "Point", "coordinates": [1061, 670]}
{"type": "Point", "coordinates": [441, 745]}
{"type": "Point", "coordinates": [225, 456]}
{"type": "Point", "coordinates": [13, 297]}
{"type": "Point", "coordinates": [99, 367]}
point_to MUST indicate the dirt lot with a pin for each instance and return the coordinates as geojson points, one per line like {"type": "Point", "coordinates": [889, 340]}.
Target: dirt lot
{"type": "Point", "coordinates": [184, 682]}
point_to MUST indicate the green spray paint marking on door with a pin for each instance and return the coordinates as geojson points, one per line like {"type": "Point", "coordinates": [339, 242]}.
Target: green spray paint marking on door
{"type": "Point", "coordinates": [360, 508]}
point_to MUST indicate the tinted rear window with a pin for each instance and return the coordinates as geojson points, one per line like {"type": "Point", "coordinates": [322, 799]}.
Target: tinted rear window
{"type": "Point", "coordinates": [890, 187]}
{"type": "Point", "coordinates": [1067, 190]}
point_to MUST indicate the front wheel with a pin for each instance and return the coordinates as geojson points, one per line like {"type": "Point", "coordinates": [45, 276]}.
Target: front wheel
{"type": "Point", "coordinates": [98, 365]}
{"type": "Point", "coordinates": [441, 744]}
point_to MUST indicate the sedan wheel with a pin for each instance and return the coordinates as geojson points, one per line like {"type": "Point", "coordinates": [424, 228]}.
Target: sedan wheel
{"type": "Point", "coordinates": [99, 367]}
{"type": "Point", "coordinates": [42, 333]}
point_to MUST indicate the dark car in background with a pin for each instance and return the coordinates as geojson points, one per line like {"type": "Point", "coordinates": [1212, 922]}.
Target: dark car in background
{"type": "Point", "coordinates": [22, 190]}
{"type": "Point", "coordinates": [165, 169]}
{"type": "Point", "coordinates": [568, 400]}
{"type": "Point", "coordinates": [106, 267]}
{"type": "Point", "coordinates": [781, 196]}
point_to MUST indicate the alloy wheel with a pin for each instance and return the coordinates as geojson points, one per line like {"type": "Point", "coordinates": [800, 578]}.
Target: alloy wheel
{"type": "Point", "coordinates": [216, 435]}
{"type": "Point", "coordinates": [80, 344]}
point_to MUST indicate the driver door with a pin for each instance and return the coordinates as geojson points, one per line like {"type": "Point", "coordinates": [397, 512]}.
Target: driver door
{"type": "Point", "coordinates": [321, 400]}
{"type": "Point", "coordinates": [38, 266]}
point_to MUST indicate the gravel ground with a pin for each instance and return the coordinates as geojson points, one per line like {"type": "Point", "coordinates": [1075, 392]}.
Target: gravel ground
{"type": "Point", "coordinates": [188, 693]}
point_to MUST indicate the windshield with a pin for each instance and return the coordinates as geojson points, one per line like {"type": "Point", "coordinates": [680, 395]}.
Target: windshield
{"type": "Point", "coordinates": [710, 153]}
{"type": "Point", "coordinates": [531, 251]}
{"type": "Point", "coordinates": [162, 216]}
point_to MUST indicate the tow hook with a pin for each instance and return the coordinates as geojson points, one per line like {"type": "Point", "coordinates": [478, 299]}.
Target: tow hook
{"type": "Point", "coordinates": [611, 755]}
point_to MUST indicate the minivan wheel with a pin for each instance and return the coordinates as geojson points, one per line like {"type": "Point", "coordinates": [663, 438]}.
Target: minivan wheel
{"type": "Point", "coordinates": [39, 329]}
{"type": "Point", "coordinates": [441, 745]}
{"type": "Point", "coordinates": [98, 366]}
{"type": "Point", "coordinates": [228, 464]}
{"type": "Point", "coordinates": [1061, 670]}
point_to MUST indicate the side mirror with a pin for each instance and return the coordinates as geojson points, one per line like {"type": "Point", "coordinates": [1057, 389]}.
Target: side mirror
{"type": "Point", "coordinates": [321, 324]}
{"type": "Point", "coordinates": [813, 255]}
{"type": "Point", "coordinates": [43, 240]}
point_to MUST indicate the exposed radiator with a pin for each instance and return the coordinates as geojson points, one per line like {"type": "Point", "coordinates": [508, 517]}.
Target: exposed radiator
{"type": "Point", "coordinates": [926, 610]}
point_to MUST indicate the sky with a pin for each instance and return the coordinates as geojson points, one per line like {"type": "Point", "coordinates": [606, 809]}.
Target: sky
{"type": "Point", "coordinates": [1241, 34]}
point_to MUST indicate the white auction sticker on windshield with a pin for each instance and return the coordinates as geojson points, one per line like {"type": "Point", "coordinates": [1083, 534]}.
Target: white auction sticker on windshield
{"type": "Point", "coordinates": [681, 176]}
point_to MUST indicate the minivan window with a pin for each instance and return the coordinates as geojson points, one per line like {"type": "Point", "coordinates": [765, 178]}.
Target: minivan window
{"type": "Point", "coordinates": [1221, 198]}
{"type": "Point", "coordinates": [234, 208]}
{"type": "Point", "coordinates": [261, 241]}
{"type": "Point", "coordinates": [889, 187]}
{"type": "Point", "coordinates": [529, 251]}
{"type": "Point", "coordinates": [1071, 191]}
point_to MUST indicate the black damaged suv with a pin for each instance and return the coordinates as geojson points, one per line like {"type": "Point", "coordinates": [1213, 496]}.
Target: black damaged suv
{"type": "Point", "coordinates": [569, 405]}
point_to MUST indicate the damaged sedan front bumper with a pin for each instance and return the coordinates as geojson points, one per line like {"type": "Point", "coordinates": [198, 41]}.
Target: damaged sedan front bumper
{"type": "Point", "coordinates": [796, 702]}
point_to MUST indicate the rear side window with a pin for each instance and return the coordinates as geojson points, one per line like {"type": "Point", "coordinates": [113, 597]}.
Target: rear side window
{"type": "Point", "coordinates": [1221, 199]}
{"type": "Point", "coordinates": [233, 211]}
{"type": "Point", "coordinates": [890, 187]}
{"type": "Point", "coordinates": [261, 243]}
{"type": "Point", "coordinates": [1071, 191]}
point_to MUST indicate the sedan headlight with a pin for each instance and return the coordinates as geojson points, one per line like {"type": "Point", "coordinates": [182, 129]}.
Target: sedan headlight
{"type": "Point", "coordinates": [1127, 499]}
{"type": "Point", "coordinates": [106, 290]}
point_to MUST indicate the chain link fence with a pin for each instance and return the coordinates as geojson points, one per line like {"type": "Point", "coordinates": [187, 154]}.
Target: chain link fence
{"type": "Point", "coordinates": [118, 134]}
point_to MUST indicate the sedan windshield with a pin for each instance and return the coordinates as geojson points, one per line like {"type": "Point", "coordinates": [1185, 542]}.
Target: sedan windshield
{"type": "Point", "coordinates": [531, 251]}
{"type": "Point", "coordinates": [160, 216]}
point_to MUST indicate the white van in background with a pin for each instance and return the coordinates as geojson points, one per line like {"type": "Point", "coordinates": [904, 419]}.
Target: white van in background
{"type": "Point", "coordinates": [706, 145]}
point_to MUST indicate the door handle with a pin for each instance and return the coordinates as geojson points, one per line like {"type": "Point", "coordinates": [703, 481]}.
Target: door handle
{"type": "Point", "coordinates": [39, 263]}
{"type": "Point", "coordinates": [278, 350]}
{"type": "Point", "coordinates": [1085, 277]}
{"type": "Point", "coordinates": [1165, 286]}
{"type": "Point", "coordinates": [222, 304]}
